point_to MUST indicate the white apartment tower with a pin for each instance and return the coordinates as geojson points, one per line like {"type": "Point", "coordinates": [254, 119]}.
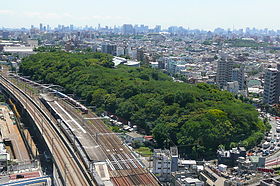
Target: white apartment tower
{"type": "Point", "coordinates": [272, 86]}
{"type": "Point", "coordinates": [224, 72]}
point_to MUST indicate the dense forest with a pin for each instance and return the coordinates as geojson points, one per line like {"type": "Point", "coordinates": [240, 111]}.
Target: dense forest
{"type": "Point", "coordinates": [197, 118]}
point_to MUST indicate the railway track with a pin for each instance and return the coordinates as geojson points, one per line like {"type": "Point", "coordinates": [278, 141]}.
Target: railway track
{"type": "Point", "coordinates": [69, 168]}
{"type": "Point", "coordinates": [124, 168]}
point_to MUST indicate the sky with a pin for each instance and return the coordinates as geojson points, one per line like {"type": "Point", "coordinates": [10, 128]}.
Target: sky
{"type": "Point", "coordinates": [193, 14]}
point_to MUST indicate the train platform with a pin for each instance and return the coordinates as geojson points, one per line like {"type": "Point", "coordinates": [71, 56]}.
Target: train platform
{"type": "Point", "coordinates": [11, 136]}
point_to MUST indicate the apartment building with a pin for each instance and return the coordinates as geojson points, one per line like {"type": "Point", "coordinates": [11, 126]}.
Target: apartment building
{"type": "Point", "coordinates": [272, 86]}
{"type": "Point", "coordinates": [165, 162]}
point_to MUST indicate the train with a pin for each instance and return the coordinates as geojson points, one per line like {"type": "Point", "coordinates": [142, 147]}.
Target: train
{"type": "Point", "coordinates": [71, 101]}
{"type": "Point", "coordinates": [56, 93]}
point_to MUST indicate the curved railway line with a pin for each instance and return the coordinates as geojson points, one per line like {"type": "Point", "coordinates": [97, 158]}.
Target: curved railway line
{"type": "Point", "coordinates": [124, 168]}
{"type": "Point", "coordinates": [70, 169]}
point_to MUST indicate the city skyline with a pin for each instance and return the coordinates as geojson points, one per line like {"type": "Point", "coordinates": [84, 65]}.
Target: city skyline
{"type": "Point", "coordinates": [202, 14]}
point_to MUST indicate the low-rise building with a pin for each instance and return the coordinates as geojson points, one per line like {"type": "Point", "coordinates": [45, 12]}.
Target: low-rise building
{"type": "Point", "coordinates": [183, 181]}
{"type": "Point", "coordinates": [133, 136]}
{"type": "Point", "coordinates": [230, 157]}
{"type": "Point", "coordinates": [165, 162]}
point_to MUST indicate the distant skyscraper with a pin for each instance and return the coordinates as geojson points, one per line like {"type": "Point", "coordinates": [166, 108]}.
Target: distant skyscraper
{"type": "Point", "coordinates": [272, 86]}
{"type": "Point", "coordinates": [158, 28]}
{"type": "Point", "coordinates": [71, 27]}
{"type": "Point", "coordinates": [41, 27]}
{"type": "Point", "coordinates": [127, 29]}
{"type": "Point", "coordinates": [224, 72]}
{"type": "Point", "coordinates": [5, 35]}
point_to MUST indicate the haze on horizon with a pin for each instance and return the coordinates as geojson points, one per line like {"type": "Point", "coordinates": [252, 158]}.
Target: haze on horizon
{"type": "Point", "coordinates": [195, 14]}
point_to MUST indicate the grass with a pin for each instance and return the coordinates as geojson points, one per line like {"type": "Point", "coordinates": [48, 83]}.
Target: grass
{"type": "Point", "coordinates": [144, 151]}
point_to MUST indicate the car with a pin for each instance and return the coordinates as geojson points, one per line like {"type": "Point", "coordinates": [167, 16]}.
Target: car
{"type": "Point", "coordinates": [19, 176]}
{"type": "Point", "coordinates": [266, 145]}
{"type": "Point", "coordinates": [265, 153]}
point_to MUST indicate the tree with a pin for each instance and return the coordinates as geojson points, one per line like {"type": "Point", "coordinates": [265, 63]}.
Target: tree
{"type": "Point", "coordinates": [98, 97]}
{"type": "Point", "coordinates": [197, 117]}
{"type": "Point", "coordinates": [165, 134]}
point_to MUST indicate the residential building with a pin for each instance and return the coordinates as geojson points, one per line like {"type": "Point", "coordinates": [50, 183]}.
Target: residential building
{"type": "Point", "coordinates": [176, 64]}
{"type": "Point", "coordinates": [154, 64]}
{"type": "Point", "coordinates": [165, 162]}
{"type": "Point", "coordinates": [224, 71]}
{"type": "Point", "coordinates": [272, 86]}
{"type": "Point", "coordinates": [238, 75]}
{"type": "Point", "coordinates": [109, 49]}
{"type": "Point", "coordinates": [183, 181]}
{"type": "Point", "coordinates": [120, 51]}
{"type": "Point", "coordinates": [230, 157]}
{"type": "Point", "coordinates": [232, 87]}
{"type": "Point", "coordinates": [133, 136]}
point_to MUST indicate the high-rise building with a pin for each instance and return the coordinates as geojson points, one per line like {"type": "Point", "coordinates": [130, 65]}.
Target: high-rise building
{"type": "Point", "coordinates": [120, 51]}
{"type": "Point", "coordinates": [41, 27]}
{"type": "Point", "coordinates": [5, 35]}
{"type": "Point", "coordinates": [109, 49]}
{"type": "Point", "coordinates": [71, 27]}
{"type": "Point", "coordinates": [238, 75]}
{"type": "Point", "coordinates": [224, 72]}
{"type": "Point", "coordinates": [272, 86]}
{"type": "Point", "coordinates": [157, 28]}
{"type": "Point", "coordinates": [127, 29]}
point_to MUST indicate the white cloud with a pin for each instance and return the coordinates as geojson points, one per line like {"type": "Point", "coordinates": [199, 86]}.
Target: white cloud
{"type": "Point", "coordinates": [6, 12]}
